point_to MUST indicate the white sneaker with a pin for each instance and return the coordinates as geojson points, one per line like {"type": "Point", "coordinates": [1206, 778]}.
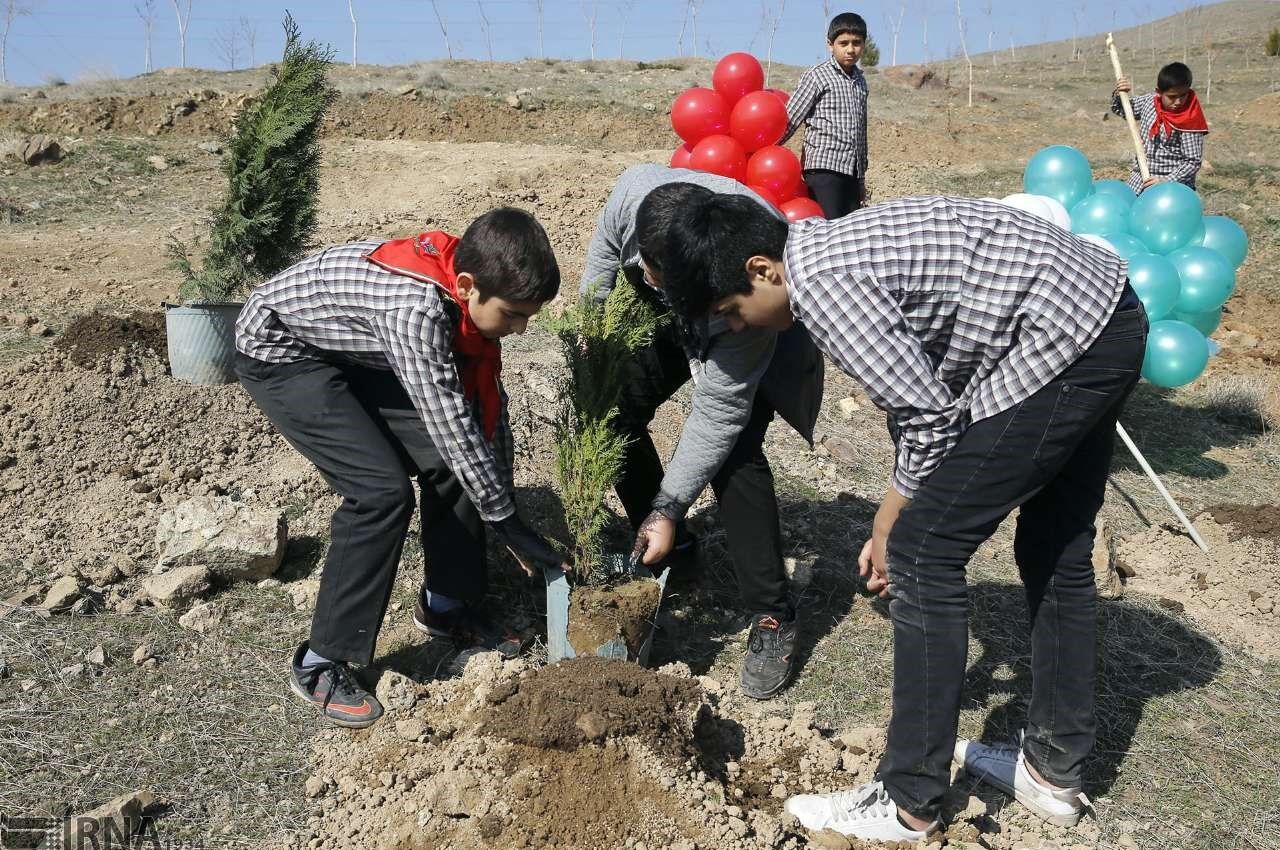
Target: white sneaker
{"type": "Point", "coordinates": [1005, 767]}
{"type": "Point", "coordinates": [865, 812]}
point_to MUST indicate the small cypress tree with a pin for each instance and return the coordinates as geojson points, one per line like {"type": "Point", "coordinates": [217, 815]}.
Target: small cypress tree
{"type": "Point", "coordinates": [870, 54]}
{"type": "Point", "coordinates": [1273, 42]}
{"type": "Point", "coordinates": [598, 340]}
{"type": "Point", "coordinates": [268, 216]}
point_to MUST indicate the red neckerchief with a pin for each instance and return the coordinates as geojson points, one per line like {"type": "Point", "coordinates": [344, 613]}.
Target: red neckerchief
{"type": "Point", "coordinates": [428, 258]}
{"type": "Point", "coordinates": [1189, 119]}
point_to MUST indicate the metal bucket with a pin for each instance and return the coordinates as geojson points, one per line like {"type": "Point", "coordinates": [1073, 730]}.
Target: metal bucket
{"type": "Point", "coordinates": [558, 590]}
{"type": "Point", "coordinates": [202, 341]}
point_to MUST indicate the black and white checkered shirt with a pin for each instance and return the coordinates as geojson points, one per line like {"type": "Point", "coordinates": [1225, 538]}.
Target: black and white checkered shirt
{"type": "Point", "coordinates": [833, 105]}
{"type": "Point", "coordinates": [1175, 156]}
{"type": "Point", "coordinates": [947, 310]}
{"type": "Point", "coordinates": [338, 303]}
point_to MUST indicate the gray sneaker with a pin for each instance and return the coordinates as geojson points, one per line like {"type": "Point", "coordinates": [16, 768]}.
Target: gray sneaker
{"type": "Point", "coordinates": [770, 658]}
{"type": "Point", "coordinates": [1005, 767]}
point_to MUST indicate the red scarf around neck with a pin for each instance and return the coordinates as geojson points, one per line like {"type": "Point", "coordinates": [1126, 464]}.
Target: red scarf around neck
{"type": "Point", "coordinates": [1189, 119]}
{"type": "Point", "coordinates": [428, 258]}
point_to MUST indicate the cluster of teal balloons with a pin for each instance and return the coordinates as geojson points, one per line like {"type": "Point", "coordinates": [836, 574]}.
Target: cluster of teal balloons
{"type": "Point", "coordinates": [1182, 263]}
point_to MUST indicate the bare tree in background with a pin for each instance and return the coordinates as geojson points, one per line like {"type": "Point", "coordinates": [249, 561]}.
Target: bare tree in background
{"type": "Point", "coordinates": [355, 33]}
{"type": "Point", "coordinates": [684, 25]}
{"type": "Point", "coordinates": [625, 8]}
{"type": "Point", "coordinates": [896, 28]}
{"type": "Point", "coordinates": [694, 6]}
{"type": "Point", "coordinates": [537, 5]}
{"type": "Point", "coordinates": [147, 14]}
{"type": "Point", "coordinates": [443, 30]}
{"type": "Point", "coordinates": [11, 11]}
{"type": "Point", "coordinates": [991, 32]}
{"type": "Point", "coordinates": [1075, 33]}
{"type": "Point", "coordinates": [183, 23]}
{"type": "Point", "coordinates": [227, 43]}
{"type": "Point", "coordinates": [484, 28]}
{"type": "Point", "coordinates": [250, 32]}
{"type": "Point", "coordinates": [826, 18]}
{"type": "Point", "coordinates": [924, 30]}
{"type": "Point", "coordinates": [964, 46]}
{"type": "Point", "coordinates": [590, 13]}
{"type": "Point", "coordinates": [1013, 51]}
{"type": "Point", "coordinates": [773, 31]}
{"type": "Point", "coordinates": [1208, 58]}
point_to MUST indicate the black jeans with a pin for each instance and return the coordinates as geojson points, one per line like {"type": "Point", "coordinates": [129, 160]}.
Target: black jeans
{"type": "Point", "coordinates": [359, 428]}
{"type": "Point", "coordinates": [1048, 455]}
{"type": "Point", "coordinates": [838, 194]}
{"type": "Point", "coordinates": [743, 486]}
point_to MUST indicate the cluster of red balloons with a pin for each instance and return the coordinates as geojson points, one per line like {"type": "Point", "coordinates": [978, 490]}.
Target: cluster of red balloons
{"type": "Point", "coordinates": [733, 130]}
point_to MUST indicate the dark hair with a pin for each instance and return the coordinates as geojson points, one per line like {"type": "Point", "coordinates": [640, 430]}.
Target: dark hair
{"type": "Point", "coordinates": [1172, 76]}
{"type": "Point", "coordinates": [846, 22]}
{"type": "Point", "coordinates": [510, 256]}
{"type": "Point", "coordinates": [653, 218]}
{"type": "Point", "coordinates": [708, 244]}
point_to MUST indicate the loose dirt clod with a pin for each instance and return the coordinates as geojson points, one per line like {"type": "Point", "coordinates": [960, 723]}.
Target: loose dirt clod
{"type": "Point", "coordinates": [599, 614]}
{"type": "Point", "coordinates": [95, 336]}
{"type": "Point", "coordinates": [1260, 521]}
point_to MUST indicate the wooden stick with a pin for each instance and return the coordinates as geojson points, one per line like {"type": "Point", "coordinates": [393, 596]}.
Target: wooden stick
{"type": "Point", "coordinates": [1128, 113]}
{"type": "Point", "coordinates": [1155, 479]}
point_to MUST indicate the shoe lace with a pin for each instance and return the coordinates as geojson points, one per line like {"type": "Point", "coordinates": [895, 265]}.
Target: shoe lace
{"type": "Point", "coordinates": [341, 680]}
{"type": "Point", "coordinates": [766, 625]}
{"type": "Point", "coordinates": [866, 802]}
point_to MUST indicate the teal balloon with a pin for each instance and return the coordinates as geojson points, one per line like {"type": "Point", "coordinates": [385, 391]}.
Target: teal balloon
{"type": "Point", "coordinates": [1059, 172]}
{"type": "Point", "coordinates": [1207, 279]}
{"type": "Point", "coordinates": [1176, 354]}
{"type": "Point", "coordinates": [1115, 188]}
{"type": "Point", "coordinates": [1227, 238]}
{"type": "Point", "coordinates": [1100, 214]}
{"type": "Point", "coordinates": [1197, 237]}
{"type": "Point", "coordinates": [1206, 322]}
{"type": "Point", "coordinates": [1165, 217]}
{"type": "Point", "coordinates": [1126, 245]}
{"type": "Point", "coordinates": [1156, 282]}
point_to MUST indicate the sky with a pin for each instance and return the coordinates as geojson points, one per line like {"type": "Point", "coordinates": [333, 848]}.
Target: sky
{"type": "Point", "coordinates": [81, 40]}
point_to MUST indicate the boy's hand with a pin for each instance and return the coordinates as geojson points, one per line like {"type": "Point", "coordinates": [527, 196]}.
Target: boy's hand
{"type": "Point", "coordinates": [655, 539]}
{"type": "Point", "coordinates": [1122, 85]}
{"type": "Point", "coordinates": [1151, 181]}
{"type": "Point", "coordinates": [530, 550]}
{"type": "Point", "coordinates": [871, 566]}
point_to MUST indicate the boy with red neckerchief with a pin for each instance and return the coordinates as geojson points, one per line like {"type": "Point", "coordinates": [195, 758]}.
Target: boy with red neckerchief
{"type": "Point", "coordinates": [380, 363]}
{"type": "Point", "coordinates": [1172, 124]}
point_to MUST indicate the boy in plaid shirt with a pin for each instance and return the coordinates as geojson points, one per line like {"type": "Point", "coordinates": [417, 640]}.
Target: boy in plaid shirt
{"type": "Point", "coordinates": [831, 101]}
{"type": "Point", "coordinates": [1172, 127]}
{"type": "Point", "coordinates": [380, 363]}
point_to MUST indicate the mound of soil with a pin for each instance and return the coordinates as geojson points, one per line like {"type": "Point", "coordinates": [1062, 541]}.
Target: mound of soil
{"type": "Point", "coordinates": [1263, 111]}
{"type": "Point", "coordinates": [1260, 521]}
{"type": "Point", "coordinates": [95, 336]}
{"type": "Point", "coordinates": [597, 615]}
{"type": "Point", "coordinates": [591, 699]}
{"type": "Point", "coordinates": [1232, 590]}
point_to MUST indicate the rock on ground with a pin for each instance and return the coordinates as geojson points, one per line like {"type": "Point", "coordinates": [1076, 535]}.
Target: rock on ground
{"type": "Point", "coordinates": [178, 587]}
{"type": "Point", "coordinates": [235, 541]}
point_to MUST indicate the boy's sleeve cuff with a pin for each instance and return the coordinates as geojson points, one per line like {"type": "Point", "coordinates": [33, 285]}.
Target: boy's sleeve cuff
{"type": "Point", "coordinates": [669, 506]}
{"type": "Point", "coordinates": [905, 483]}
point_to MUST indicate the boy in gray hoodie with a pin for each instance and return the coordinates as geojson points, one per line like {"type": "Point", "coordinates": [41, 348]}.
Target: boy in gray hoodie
{"type": "Point", "coordinates": [740, 382]}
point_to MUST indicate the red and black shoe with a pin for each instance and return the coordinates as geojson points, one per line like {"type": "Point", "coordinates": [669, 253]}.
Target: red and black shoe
{"type": "Point", "coordinates": [331, 688]}
{"type": "Point", "coordinates": [770, 658]}
{"type": "Point", "coordinates": [469, 627]}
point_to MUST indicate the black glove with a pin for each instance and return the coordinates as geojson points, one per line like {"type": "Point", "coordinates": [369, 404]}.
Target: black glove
{"type": "Point", "coordinates": [525, 543]}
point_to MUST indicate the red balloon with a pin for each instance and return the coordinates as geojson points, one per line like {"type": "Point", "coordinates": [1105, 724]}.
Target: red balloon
{"type": "Point", "coordinates": [758, 120]}
{"type": "Point", "coordinates": [777, 169]}
{"type": "Point", "coordinates": [764, 192]}
{"type": "Point", "coordinates": [698, 113]}
{"type": "Point", "coordinates": [780, 95]}
{"type": "Point", "coordinates": [798, 209]}
{"type": "Point", "coordinates": [802, 190]}
{"type": "Point", "coordinates": [737, 74]}
{"type": "Point", "coordinates": [721, 155]}
{"type": "Point", "coordinates": [680, 159]}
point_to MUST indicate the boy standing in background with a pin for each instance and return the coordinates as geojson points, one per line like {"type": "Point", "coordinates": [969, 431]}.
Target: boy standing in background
{"type": "Point", "coordinates": [1172, 127]}
{"type": "Point", "coordinates": [831, 101]}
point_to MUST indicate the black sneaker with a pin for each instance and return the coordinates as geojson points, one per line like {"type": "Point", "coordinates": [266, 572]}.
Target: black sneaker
{"type": "Point", "coordinates": [331, 687]}
{"type": "Point", "coordinates": [469, 627]}
{"type": "Point", "coordinates": [767, 667]}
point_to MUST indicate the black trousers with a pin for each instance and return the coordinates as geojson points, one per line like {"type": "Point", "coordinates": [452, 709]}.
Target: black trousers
{"type": "Point", "coordinates": [743, 486]}
{"type": "Point", "coordinates": [359, 428]}
{"type": "Point", "coordinates": [1048, 455]}
{"type": "Point", "coordinates": [838, 194]}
